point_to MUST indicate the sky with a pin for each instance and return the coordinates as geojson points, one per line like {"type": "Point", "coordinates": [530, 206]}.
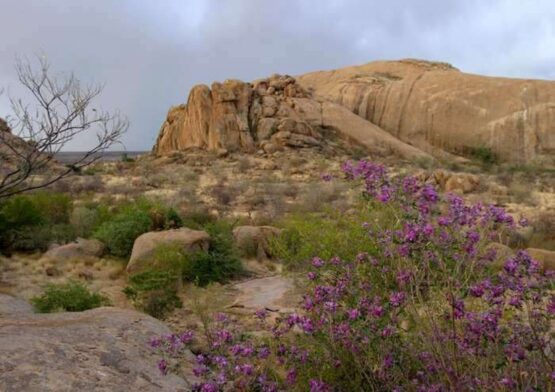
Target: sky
{"type": "Point", "coordinates": [149, 54]}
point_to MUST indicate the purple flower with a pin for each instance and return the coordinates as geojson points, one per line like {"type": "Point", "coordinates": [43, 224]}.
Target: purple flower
{"type": "Point", "coordinates": [261, 313]}
{"type": "Point", "coordinates": [510, 266]}
{"type": "Point", "coordinates": [353, 314]}
{"type": "Point", "coordinates": [317, 262]}
{"type": "Point", "coordinates": [318, 386]}
{"type": "Point", "coordinates": [326, 177]}
{"type": "Point", "coordinates": [396, 299]}
{"type": "Point", "coordinates": [163, 366]}
{"type": "Point", "coordinates": [312, 275]}
{"type": "Point", "coordinates": [291, 377]}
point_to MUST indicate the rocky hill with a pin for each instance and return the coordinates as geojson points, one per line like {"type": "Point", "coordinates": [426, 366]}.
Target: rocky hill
{"type": "Point", "coordinates": [410, 108]}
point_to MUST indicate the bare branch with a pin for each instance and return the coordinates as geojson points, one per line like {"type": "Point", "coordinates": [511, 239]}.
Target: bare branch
{"type": "Point", "coordinates": [60, 112]}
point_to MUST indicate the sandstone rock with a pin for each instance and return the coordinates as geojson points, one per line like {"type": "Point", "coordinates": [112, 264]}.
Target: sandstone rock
{"type": "Point", "coordinates": [462, 183]}
{"type": "Point", "coordinates": [239, 116]}
{"type": "Point", "coordinates": [546, 258]}
{"type": "Point", "coordinates": [82, 248]}
{"type": "Point", "coordinates": [145, 245]}
{"type": "Point", "coordinates": [103, 349]}
{"type": "Point", "coordinates": [254, 240]}
{"type": "Point", "coordinates": [434, 105]}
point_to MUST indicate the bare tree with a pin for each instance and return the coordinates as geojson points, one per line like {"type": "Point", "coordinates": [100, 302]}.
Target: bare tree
{"type": "Point", "coordinates": [60, 112]}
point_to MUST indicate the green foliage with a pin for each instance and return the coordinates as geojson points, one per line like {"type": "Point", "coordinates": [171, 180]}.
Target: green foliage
{"type": "Point", "coordinates": [34, 221]}
{"type": "Point", "coordinates": [119, 233]}
{"type": "Point", "coordinates": [484, 155]}
{"type": "Point", "coordinates": [198, 219]}
{"type": "Point", "coordinates": [220, 263]}
{"type": "Point", "coordinates": [71, 297]}
{"type": "Point", "coordinates": [325, 235]}
{"type": "Point", "coordinates": [84, 221]}
{"type": "Point", "coordinates": [154, 292]}
{"type": "Point", "coordinates": [55, 207]}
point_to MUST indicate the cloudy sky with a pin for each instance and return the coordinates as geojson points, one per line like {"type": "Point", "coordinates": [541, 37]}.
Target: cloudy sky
{"type": "Point", "coordinates": [150, 53]}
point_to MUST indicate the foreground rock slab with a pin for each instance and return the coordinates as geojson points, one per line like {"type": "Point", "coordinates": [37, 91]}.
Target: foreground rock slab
{"type": "Point", "coordinates": [103, 349]}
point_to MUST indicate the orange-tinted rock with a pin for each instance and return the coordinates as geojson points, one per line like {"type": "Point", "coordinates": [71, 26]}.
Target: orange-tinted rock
{"type": "Point", "coordinates": [434, 105]}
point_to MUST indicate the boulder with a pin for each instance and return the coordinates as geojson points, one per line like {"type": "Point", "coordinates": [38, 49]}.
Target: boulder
{"type": "Point", "coordinates": [79, 249]}
{"type": "Point", "coordinates": [145, 245]}
{"type": "Point", "coordinates": [433, 105]}
{"type": "Point", "coordinates": [546, 258]}
{"type": "Point", "coordinates": [254, 240]}
{"type": "Point", "coordinates": [462, 183]}
{"type": "Point", "coordinates": [104, 349]}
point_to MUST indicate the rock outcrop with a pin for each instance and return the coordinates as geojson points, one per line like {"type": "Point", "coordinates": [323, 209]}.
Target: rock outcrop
{"type": "Point", "coordinates": [104, 349]}
{"type": "Point", "coordinates": [436, 108]}
{"type": "Point", "coordinates": [411, 108]}
{"type": "Point", "coordinates": [81, 248]}
{"type": "Point", "coordinates": [270, 114]}
{"type": "Point", "coordinates": [146, 244]}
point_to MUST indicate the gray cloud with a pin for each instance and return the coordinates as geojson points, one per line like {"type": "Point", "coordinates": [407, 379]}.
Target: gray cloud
{"type": "Point", "coordinates": [150, 53]}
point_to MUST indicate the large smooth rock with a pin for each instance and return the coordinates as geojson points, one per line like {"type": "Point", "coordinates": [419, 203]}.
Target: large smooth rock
{"type": "Point", "coordinates": [145, 245]}
{"type": "Point", "coordinates": [243, 117]}
{"type": "Point", "coordinates": [254, 240]}
{"type": "Point", "coordinates": [104, 349]}
{"type": "Point", "coordinates": [546, 258]}
{"type": "Point", "coordinates": [75, 250]}
{"type": "Point", "coordinates": [433, 105]}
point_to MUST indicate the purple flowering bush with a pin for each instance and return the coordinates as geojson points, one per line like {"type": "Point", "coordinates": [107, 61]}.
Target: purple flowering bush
{"type": "Point", "coordinates": [427, 307]}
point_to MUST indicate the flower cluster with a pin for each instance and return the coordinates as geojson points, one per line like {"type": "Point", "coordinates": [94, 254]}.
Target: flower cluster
{"type": "Point", "coordinates": [428, 308]}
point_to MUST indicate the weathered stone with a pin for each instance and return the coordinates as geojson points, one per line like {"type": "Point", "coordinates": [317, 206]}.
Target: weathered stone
{"type": "Point", "coordinates": [462, 183]}
{"type": "Point", "coordinates": [82, 248]}
{"type": "Point", "coordinates": [104, 349]}
{"type": "Point", "coordinates": [146, 244]}
{"type": "Point", "coordinates": [435, 106]}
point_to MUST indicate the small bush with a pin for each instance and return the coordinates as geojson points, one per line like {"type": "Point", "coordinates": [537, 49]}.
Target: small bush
{"type": "Point", "coordinates": [484, 155]}
{"type": "Point", "coordinates": [55, 207]}
{"type": "Point", "coordinates": [30, 222]}
{"type": "Point", "coordinates": [84, 221]}
{"type": "Point", "coordinates": [219, 264]}
{"type": "Point", "coordinates": [154, 291]}
{"type": "Point", "coordinates": [120, 233]}
{"type": "Point", "coordinates": [69, 297]}
{"type": "Point", "coordinates": [309, 235]}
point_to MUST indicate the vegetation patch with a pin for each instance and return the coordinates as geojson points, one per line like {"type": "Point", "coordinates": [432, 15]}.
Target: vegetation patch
{"type": "Point", "coordinates": [70, 297]}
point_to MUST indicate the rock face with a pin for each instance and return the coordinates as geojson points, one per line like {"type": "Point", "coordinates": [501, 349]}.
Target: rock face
{"type": "Point", "coordinates": [145, 245]}
{"type": "Point", "coordinates": [270, 114]}
{"type": "Point", "coordinates": [409, 107]}
{"type": "Point", "coordinates": [434, 106]}
{"type": "Point", "coordinates": [103, 349]}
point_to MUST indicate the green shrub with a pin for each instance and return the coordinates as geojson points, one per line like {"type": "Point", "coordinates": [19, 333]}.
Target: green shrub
{"type": "Point", "coordinates": [325, 235]}
{"type": "Point", "coordinates": [71, 297]}
{"type": "Point", "coordinates": [55, 207]}
{"type": "Point", "coordinates": [84, 221]}
{"type": "Point", "coordinates": [154, 291]}
{"type": "Point", "coordinates": [119, 233]}
{"type": "Point", "coordinates": [31, 238]}
{"type": "Point", "coordinates": [34, 221]}
{"type": "Point", "coordinates": [485, 155]}
{"type": "Point", "coordinates": [220, 264]}
{"type": "Point", "coordinates": [197, 219]}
